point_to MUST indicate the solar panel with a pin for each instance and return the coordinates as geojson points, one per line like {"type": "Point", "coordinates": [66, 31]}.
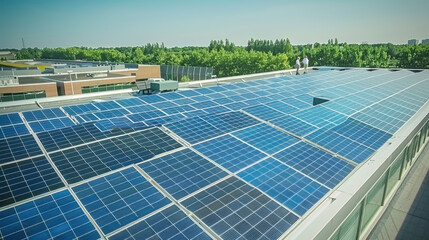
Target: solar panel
{"type": "Point", "coordinates": [26, 179]}
{"type": "Point", "coordinates": [315, 163]}
{"type": "Point", "coordinates": [183, 101]}
{"type": "Point", "coordinates": [200, 98]}
{"type": "Point", "coordinates": [182, 173]}
{"type": "Point", "coordinates": [189, 93]}
{"type": "Point", "coordinates": [50, 124]}
{"type": "Point", "coordinates": [16, 148]}
{"type": "Point", "coordinates": [204, 90]}
{"type": "Point", "coordinates": [202, 105]}
{"type": "Point", "coordinates": [107, 105]}
{"type": "Point", "coordinates": [79, 109]}
{"type": "Point", "coordinates": [236, 105]}
{"type": "Point", "coordinates": [214, 96]}
{"type": "Point", "coordinates": [291, 188]}
{"type": "Point", "coordinates": [120, 122]}
{"type": "Point", "coordinates": [83, 162]}
{"type": "Point", "coordinates": [341, 145]}
{"type": "Point", "coordinates": [170, 223]}
{"type": "Point", "coordinates": [141, 108]}
{"type": "Point", "coordinates": [163, 120]}
{"type": "Point", "coordinates": [282, 107]}
{"type": "Point", "coordinates": [89, 117]}
{"type": "Point", "coordinates": [178, 109]}
{"type": "Point", "coordinates": [13, 130]}
{"type": "Point", "coordinates": [130, 102]}
{"type": "Point", "coordinates": [223, 100]}
{"type": "Point", "coordinates": [56, 216]}
{"type": "Point", "coordinates": [164, 105]}
{"type": "Point", "coordinates": [139, 117]}
{"type": "Point", "coordinates": [266, 138]}
{"type": "Point", "coordinates": [235, 210]}
{"type": "Point", "coordinates": [295, 102]}
{"type": "Point", "coordinates": [217, 109]}
{"type": "Point", "coordinates": [111, 113]}
{"type": "Point", "coordinates": [120, 198]}
{"type": "Point", "coordinates": [172, 96]}
{"type": "Point", "coordinates": [263, 112]}
{"type": "Point", "coordinates": [152, 98]}
{"type": "Point", "coordinates": [194, 129]}
{"type": "Point", "coordinates": [320, 116]}
{"type": "Point", "coordinates": [43, 114]}
{"type": "Point", "coordinates": [11, 118]}
{"type": "Point", "coordinates": [294, 125]}
{"type": "Point", "coordinates": [230, 121]}
{"type": "Point", "coordinates": [194, 113]}
{"type": "Point", "coordinates": [230, 152]}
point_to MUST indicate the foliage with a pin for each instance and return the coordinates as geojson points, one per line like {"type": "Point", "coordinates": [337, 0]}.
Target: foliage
{"type": "Point", "coordinates": [227, 59]}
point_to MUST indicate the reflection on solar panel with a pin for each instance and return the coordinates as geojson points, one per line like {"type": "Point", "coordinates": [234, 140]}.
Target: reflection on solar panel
{"type": "Point", "coordinates": [79, 109]}
{"type": "Point", "coordinates": [315, 163]}
{"type": "Point", "coordinates": [183, 172]}
{"type": "Point", "coordinates": [235, 210]}
{"type": "Point", "coordinates": [43, 114]}
{"type": "Point", "coordinates": [57, 216]}
{"type": "Point", "coordinates": [13, 130]}
{"type": "Point", "coordinates": [263, 112]}
{"type": "Point", "coordinates": [8, 119]}
{"type": "Point", "coordinates": [25, 179]}
{"type": "Point", "coordinates": [294, 125]}
{"type": "Point", "coordinates": [46, 125]}
{"type": "Point", "coordinates": [291, 188]}
{"type": "Point", "coordinates": [16, 148]}
{"type": "Point", "coordinates": [282, 107]}
{"type": "Point", "coordinates": [87, 161]}
{"type": "Point", "coordinates": [119, 198]}
{"type": "Point", "coordinates": [266, 138]}
{"type": "Point", "coordinates": [230, 121]}
{"type": "Point", "coordinates": [320, 116]}
{"type": "Point", "coordinates": [194, 130]}
{"type": "Point", "coordinates": [170, 223]}
{"type": "Point", "coordinates": [230, 152]}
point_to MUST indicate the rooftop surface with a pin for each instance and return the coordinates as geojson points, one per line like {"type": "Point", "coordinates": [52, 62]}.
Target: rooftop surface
{"type": "Point", "coordinates": [247, 160]}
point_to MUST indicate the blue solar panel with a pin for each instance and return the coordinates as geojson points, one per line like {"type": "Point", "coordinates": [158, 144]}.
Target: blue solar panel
{"type": "Point", "coordinates": [224, 100]}
{"type": "Point", "coordinates": [57, 216]}
{"type": "Point", "coordinates": [26, 179]}
{"type": "Point", "coordinates": [111, 113]}
{"type": "Point", "coordinates": [163, 120]}
{"type": "Point", "coordinates": [11, 118]}
{"type": "Point", "coordinates": [230, 152]}
{"type": "Point", "coordinates": [172, 96]}
{"type": "Point", "coordinates": [296, 103]}
{"type": "Point", "coordinates": [217, 110]}
{"type": "Point", "coordinates": [200, 98]}
{"type": "Point", "coordinates": [13, 130]}
{"type": "Point", "coordinates": [88, 117]}
{"type": "Point", "coordinates": [362, 133]}
{"type": "Point", "coordinates": [170, 223]}
{"type": "Point", "coordinates": [178, 109]}
{"type": "Point", "coordinates": [79, 109]}
{"type": "Point", "coordinates": [230, 121]}
{"type": "Point", "coordinates": [120, 122]}
{"type": "Point", "coordinates": [294, 125]}
{"type": "Point", "coordinates": [315, 163]}
{"type": "Point", "coordinates": [90, 160]}
{"type": "Point", "coordinates": [15, 148]}
{"type": "Point", "coordinates": [46, 125]}
{"type": "Point", "coordinates": [320, 116]}
{"type": "Point", "coordinates": [129, 102]}
{"type": "Point", "coordinates": [182, 173]}
{"type": "Point", "coordinates": [237, 105]}
{"type": "Point", "coordinates": [266, 138]}
{"type": "Point", "coordinates": [152, 98]}
{"type": "Point", "coordinates": [194, 113]}
{"type": "Point", "coordinates": [43, 114]}
{"type": "Point", "coordinates": [141, 108]}
{"type": "Point", "coordinates": [214, 96]}
{"type": "Point", "coordinates": [282, 107]}
{"type": "Point", "coordinates": [291, 188]}
{"type": "Point", "coordinates": [202, 105]}
{"type": "Point", "coordinates": [107, 105]}
{"type": "Point", "coordinates": [119, 198]}
{"type": "Point", "coordinates": [235, 210]}
{"type": "Point", "coordinates": [189, 93]}
{"type": "Point", "coordinates": [204, 90]}
{"type": "Point", "coordinates": [164, 105]}
{"type": "Point", "coordinates": [341, 145]}
{"type": "Point", "coordinates": [263, 112]}
{"type": "Point", "coordinates": [194, 130]}
{"type": "Point", "coordinates": [138, 117]}
{"type": "Point", "coordinates": [183, 101]}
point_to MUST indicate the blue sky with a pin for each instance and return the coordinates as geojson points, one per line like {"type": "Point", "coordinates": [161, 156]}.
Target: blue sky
{"type": "Point", "coordinates": [110, 23]}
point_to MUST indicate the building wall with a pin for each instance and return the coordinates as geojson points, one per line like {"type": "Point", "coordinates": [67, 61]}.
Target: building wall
{"type": "Point", "coordinates": [50, 89]}
{"type": "Point", "coordinates": [66, 87]}
{"type": "Point", "coordinates": [143, 72]}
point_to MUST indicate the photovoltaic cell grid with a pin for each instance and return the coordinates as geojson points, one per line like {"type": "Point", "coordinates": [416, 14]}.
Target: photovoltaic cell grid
{"type": "Point", "coordinates": [10, 119]}
{"type": "Point", "coordinates": [320, 116]}
{"type": "Point", "coordinates": [263, 112]}
{"type": "Point", "coordinates": [315, 163]}
{"type": "Point", "coordinates": [119, 198]}
{"type": "Point", "coordinates": [182, 173]}
{"type": "Point", "coordinates": [79, 109]}
{"type": "Point", "coordinates": [56, 216]}
{"type": "Point", "coordinates": [16, 148]}
{"type": "Point", "coordinates": [43, 114]}
{"type": "Point", "coordinates": [87, 161]}
{"type": "Point", "coordinates": [235, 210]}
{"type": "Point", "coordinates": [294, 125]}
{"type": "Point", "coordinates": [291, 188]}
{"type": "Point", "coordinates": [170, 223]}
{"type": "Point", "coordinates": [230, 152]}
{"type": "Point", "coordinates": [25, 179]}
{"type": "Point", "coordinates": [13, 130]}
{"type": "Point", "coordinates": [266, 138]}
{"type": "Point", "coordinates": [50, 124]}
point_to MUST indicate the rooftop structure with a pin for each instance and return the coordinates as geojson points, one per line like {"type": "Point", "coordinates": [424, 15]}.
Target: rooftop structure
{"type": "Point", "coordinates": [413, 42]}
{"type": "Point", "coordinates": [314, 156]}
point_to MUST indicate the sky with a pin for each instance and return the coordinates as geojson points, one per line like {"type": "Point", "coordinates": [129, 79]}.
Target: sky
{"type": "Point", "coordinates": [122, 23]}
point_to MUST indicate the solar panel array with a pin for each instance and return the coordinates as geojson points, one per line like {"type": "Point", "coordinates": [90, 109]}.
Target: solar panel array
{"type": "Point", "coordinates": [244, 160]}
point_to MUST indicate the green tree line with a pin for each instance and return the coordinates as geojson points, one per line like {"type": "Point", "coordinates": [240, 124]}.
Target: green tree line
{"type": "Point", "coordinates": [227, 59]}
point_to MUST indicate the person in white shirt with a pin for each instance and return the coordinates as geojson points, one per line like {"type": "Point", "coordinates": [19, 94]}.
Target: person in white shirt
{"type": "Point", "coordinates": [305, 62]}
{"type": "Point", "coordinates": [297, 65]}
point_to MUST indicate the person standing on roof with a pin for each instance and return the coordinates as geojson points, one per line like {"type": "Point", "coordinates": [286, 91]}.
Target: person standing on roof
{"type": "Point", "coordinates": [305, 62]}
{"type": "Point", "coordinates": [297, 65]}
